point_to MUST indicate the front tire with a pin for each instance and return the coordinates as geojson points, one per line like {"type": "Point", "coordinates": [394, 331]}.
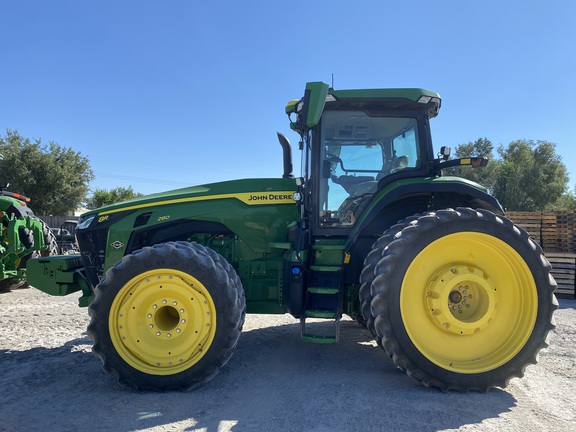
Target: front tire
{"type": "Point", "coordinates": [460, 299]}
{"type": "Point", "coordinates": [167, 317]}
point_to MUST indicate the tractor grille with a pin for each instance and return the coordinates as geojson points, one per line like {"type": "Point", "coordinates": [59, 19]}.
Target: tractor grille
{"type": "Point", "coordinates": [92, 243]}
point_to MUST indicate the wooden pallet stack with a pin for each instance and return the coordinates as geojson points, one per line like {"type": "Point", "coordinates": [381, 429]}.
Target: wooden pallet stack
{"type": "Point", "coordinates": [564, 271]}
{"type": "Point", "coordinates": [554, 231]}
{"type": "Point", "coordinates": [530, 221]}
{"type": "Point", "coordinates": [565, 227]}
{"type": "Point", "coordinates": [550, 240]}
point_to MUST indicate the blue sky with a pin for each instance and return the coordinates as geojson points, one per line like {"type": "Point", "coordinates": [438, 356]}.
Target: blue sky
{"type": "Point", "coordinates": [161, 95]}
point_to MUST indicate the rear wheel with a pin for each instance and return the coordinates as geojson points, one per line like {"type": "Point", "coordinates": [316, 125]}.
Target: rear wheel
{"type": "Point", "coordinates": [461, 299]}
{"type": "Point", "coordinates": [167, 317]}
{"type": "Point", "coordinates": [367, 276]}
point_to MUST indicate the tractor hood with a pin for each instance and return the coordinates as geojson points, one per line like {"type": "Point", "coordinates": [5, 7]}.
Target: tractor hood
{"type": "Point", "coordinates": [268, 191]}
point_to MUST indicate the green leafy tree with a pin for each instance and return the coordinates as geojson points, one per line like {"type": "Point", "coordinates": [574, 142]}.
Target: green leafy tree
{"type": "Point", "coordinates": [102, 197]}
{"type": "Point", "coordinates": [486, 176]}
{"type": "Point", "coordinates": [532, 176]}
{"type": "Point", "coordinates": [55, 178]}
{"type": "Point", "coordinates": [566, 202]}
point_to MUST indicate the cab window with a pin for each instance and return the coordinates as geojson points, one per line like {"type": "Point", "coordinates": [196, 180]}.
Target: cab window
{"type": "Point", "coordinates": [356, 152]}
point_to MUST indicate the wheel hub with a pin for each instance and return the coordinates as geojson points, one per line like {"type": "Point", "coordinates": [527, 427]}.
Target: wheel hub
{"type": "Point", "coordinates": [461, 299]}
{"type": "Point", "coordinates": [166, 320]}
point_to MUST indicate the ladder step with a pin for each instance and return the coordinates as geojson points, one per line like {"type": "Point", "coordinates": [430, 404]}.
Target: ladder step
{"type": "Point", "coordinates": [310, 313]}
{"type": "Point", "coordinates": [328, 247]}
{"type": "Point", "coordinates": [323, 290]}
{"type": "Point", "coordinates": [320, 339]}
{"type": "Point", "coordinates": [323, 268]}
{"type": "Point", "coordinates": [325, 337]}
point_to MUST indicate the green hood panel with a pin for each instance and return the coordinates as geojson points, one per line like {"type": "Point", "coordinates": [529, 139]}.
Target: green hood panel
{"type": "Point", "coordinates": [258, 211]}
{"type": "Point", "coordinates": [249, 191]}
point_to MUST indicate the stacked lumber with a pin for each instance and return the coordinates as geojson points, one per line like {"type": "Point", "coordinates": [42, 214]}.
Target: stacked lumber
{"type": "Point", "coordinates": [563, 270]}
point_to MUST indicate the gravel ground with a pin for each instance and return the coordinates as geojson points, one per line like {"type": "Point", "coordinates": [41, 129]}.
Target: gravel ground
{"type": "Point", "coordinates": [274, 382]}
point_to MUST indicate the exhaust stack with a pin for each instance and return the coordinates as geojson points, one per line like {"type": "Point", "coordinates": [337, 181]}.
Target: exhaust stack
{"type": "Point", "coordinates": [287, 155]}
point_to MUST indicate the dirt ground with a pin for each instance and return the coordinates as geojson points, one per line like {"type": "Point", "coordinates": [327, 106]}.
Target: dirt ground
{"type": "Point", "coordinates": [274, 382]}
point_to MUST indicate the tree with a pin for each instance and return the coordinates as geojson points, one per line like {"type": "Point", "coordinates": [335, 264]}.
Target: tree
{"type": "Point", "coordinates": [55, 178]}
{"type": "Point", "coordinates": [102, 197]}
{"type": "Point", "coordinates": [486, 176]}
{"type": "Point", "coordinates": [566, 202]}
{"type": "Point", "coordinates": [532, 176]}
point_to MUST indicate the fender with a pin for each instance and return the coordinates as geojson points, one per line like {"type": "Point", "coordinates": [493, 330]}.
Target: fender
{"type": "Point", "coordinates": [12, 203]}
{"type": "Point", "coordinates": [402, 198]}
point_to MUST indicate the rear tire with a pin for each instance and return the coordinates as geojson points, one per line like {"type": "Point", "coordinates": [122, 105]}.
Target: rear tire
{"type": "Point", "coordinates": [9, 284]}
{"type": "Point", "coordinates": [49, 240]}
{"type": "Point", "coordinates": [367, 276]}
{"type": "Point", "coordinates": [167, 317]}
{"type": "Point", "coordinates": [460, 299]}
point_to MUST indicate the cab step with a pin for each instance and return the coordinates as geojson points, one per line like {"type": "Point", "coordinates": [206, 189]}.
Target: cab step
{"type": "Point", "coordinates": [325, 337]}
{"type": "Point", "coordinates": [319, 339]}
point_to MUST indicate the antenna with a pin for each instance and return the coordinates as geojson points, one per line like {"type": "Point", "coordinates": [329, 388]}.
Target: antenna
{"type": "Point", "coordinates": [332, 87]}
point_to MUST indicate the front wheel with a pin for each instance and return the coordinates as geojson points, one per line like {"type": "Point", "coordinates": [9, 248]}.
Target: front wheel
{"type": "Point", "coordinates": [167, 317]}
{"type": "Point", "coordinates": [461, 299]}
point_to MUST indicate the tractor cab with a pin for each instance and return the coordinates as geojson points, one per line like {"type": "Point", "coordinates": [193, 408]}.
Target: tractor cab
{"type": "Point", "coordinates": [354, 143]}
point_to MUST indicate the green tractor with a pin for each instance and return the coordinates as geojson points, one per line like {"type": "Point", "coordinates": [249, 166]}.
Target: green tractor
{"type": "Point", "coordinates": [456, 294]}
{"type": "Point", "coordinates": [22, 236]}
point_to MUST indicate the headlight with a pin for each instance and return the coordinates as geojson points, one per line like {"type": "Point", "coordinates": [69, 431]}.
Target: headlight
{"type": "Point", "coordinates": [85, 223]}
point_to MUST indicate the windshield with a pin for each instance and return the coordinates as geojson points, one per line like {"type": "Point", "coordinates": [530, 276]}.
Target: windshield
{"type": "Point", "coordinates": [356, 152]}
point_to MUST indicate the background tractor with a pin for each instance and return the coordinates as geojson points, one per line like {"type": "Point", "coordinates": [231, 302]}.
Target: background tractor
{"type": "Point", "coordinates": [457, 295]}
{"type": "Point", "coordinates": [65, 236]}
{"type": "Point", "coordinates": [23, 236]}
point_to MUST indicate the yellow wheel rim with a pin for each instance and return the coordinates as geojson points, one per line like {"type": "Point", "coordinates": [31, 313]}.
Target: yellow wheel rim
{"type": "Point", "coordinates": [162, 322]}
{"type": "Point", "coordinates": [469, 302]}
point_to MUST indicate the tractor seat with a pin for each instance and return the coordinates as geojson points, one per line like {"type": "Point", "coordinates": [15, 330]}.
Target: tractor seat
{"type": "Point", "coordinates": [398, 163]}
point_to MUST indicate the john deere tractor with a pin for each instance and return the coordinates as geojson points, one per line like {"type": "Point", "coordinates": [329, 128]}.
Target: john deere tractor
{"type": "Point", "coordinates": [456, 294]}
{"type": "Point", "coordinates": [22, 236]}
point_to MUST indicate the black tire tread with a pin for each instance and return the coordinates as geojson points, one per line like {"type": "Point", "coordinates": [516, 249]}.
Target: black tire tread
{"type": "Point", "coordinates": [207, 266]}
{"type": "Point", "coordinates": [376, 287]}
